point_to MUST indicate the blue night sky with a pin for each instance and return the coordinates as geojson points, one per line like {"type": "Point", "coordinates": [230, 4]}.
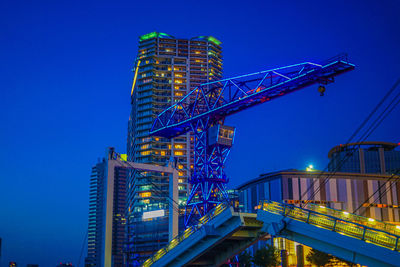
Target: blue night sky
{"type": "Point", "coordinates": [65, 78]}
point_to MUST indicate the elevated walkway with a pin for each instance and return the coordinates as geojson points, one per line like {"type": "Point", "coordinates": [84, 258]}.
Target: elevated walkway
{"type": "Point", "coordinates": [220, 234]}
{"type": "Point", "coordinates": [223, 233]}
{"type": "Point", "coordinates": [344, 235]}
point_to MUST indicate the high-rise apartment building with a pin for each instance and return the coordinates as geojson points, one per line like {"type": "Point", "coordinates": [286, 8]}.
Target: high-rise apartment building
{"type": "Point", "coordinates": [106, 229]}
{"type": "Point", "coordinates": [166, 69]}
{"type": "Point", "coordinates": [365, 157]}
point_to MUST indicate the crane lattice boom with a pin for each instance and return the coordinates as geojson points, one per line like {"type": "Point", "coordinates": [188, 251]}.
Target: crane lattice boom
{"type": "Point", "coordinates": [219, 99]}
{"type": "Point", "coordinates": [204, 108]}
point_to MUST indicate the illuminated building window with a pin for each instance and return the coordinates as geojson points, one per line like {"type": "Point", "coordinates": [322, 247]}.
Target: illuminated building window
{"type": "Point", "coordinates": [170, 66]}
{"type": "Point", "coordinates": [144, 187]}
{"type": "Point", "coordinates": [144, 146]}
{"type": "Point", "coordinates": [145, 194]}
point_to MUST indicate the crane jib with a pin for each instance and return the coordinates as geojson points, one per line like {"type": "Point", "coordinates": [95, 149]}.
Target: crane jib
{"type": "Point", "coordinates": [219, 99]}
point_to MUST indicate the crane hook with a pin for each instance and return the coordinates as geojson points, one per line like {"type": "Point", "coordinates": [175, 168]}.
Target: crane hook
{"type": "Point", "coordinates": [321, 90]}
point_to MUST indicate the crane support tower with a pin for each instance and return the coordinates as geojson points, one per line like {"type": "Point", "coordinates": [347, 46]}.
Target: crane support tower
{"type": "Point", "coordinates": [204, 109]}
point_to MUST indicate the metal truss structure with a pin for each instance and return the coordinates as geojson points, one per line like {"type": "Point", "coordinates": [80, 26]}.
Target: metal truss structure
{"type": "Point", "coordinates": [208, 105]}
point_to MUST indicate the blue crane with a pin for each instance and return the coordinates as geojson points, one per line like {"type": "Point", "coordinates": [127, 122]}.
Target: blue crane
{"type": "Point", "coordinates": [203, 110]}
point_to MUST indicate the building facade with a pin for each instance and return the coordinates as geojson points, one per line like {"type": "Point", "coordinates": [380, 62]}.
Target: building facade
{"type": "Point", "coordinates": [106, 227]}
{"type": "Point", "coordinates": [343, 191]}
{"type": "Point", "coordinates": [365, 157]}
{"type": "Point", "coordinates": [166, 69]}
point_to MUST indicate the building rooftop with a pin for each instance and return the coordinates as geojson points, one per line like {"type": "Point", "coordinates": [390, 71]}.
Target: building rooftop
{"type": "Point", "coordinates": [387, 146]}
{"type": "Point", "coordinates": [311, 174]}
{"type": "Point", "coordinates": [165, 35]}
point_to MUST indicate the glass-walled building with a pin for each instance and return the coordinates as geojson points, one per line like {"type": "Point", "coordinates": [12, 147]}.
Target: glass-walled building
{"type": "Point", "coordinates": [165, 70]}
{"type": "Point", "coordinates": [365, 157]}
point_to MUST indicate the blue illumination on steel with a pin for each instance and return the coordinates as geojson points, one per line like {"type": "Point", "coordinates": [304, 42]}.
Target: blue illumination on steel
{"type": "Point", "coordinates": [216, 100]}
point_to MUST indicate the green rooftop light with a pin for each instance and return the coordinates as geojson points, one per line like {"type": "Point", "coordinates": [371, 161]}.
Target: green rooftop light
{"type": "Point", "coordinates": [153, 35]}
{"type": "Point", "coordinates": [214, 40]}
{"type": "Point", "coordinates": [148, 36]}
{"type": "Point", "coordinates": [210, 39]}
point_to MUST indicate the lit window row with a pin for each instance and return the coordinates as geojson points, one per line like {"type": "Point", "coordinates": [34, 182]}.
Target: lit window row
{"type": "Point", "coordinates": [145, 194]}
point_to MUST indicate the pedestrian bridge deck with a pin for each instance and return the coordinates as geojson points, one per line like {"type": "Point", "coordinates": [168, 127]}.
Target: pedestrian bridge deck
{"type": "Point", "coordinates": [348, 236]}
{"type": "Point", "coordinates": [223, 233]}
{"type": "Point", "coordinates": [219, 235]}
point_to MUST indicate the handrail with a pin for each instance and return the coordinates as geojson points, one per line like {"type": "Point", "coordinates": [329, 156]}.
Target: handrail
{"type": "Point", "coordinates": [387, 227]}
{"type": "Point", "coordinates": [188, 232]}
{"type": "Point", "coordinates": [341, 223]}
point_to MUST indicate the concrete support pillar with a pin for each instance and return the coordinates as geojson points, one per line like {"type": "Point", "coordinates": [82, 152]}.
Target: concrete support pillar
{"type": "Point", "coordinates": [300, 255]}
{"type": "Point", "coordinates": [173, 219]}
{"type": "Point", "coordinates": [284, 258]}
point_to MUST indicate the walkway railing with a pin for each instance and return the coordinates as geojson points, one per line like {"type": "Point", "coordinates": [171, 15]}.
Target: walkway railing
{"type": "Point", "coordinates": [372, 223]}
{"type": "Point", "coordinates": [366, 229]}
{"type": "Point", "coordinates": [188, 232]}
